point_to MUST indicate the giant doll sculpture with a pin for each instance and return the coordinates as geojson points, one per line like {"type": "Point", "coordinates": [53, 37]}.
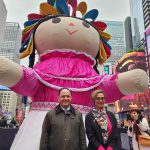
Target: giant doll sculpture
{"type": "Point", "coordinates": [69, 49]}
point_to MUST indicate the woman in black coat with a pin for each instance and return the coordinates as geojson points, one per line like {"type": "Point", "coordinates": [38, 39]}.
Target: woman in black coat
{"type": "Point", "coordinates": [101, 126]}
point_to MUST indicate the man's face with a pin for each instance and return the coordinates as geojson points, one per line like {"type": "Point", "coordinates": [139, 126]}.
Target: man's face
{"type": "Point", "coordinates": [64, 98]}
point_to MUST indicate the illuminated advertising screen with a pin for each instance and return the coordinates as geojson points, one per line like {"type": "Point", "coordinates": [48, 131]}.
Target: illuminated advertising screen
{"type": "Point", "coordinates": [134, 101]}
{"type": "Point", "coordinates": [148, 43]}
{"type": "Point", "coordinates": [148, 39]}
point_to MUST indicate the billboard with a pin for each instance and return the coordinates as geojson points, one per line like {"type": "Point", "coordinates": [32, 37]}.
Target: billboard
{"type": "Point", "coordinates": [148, 40]}
{"type": "Point", "coordinates": [148, 44]}
{"type": "Point", "coordinates": [135, 101]}
{"type": "Point", "coordinates": [131, 60]}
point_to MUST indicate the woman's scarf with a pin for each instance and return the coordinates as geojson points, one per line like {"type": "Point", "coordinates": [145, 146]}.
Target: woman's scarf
{"type": "Point", "coordinates": [100, 117]}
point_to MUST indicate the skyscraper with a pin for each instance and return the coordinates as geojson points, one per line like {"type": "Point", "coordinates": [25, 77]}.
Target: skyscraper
{"type": "Point", "coordinates": [9, 48]}
{"type": "Point", "coordinates": [128, 34]}
{"type": "Point", "coordinates": [11, 41]}
{"type": "Point", "coordinates": [137, 22]}
{"type": "Point", "coordinates": [146, 13]}
{"type": "Point", "coordinates": [3, 14]}
{"type": "Point", "coordinates": [117, 42]}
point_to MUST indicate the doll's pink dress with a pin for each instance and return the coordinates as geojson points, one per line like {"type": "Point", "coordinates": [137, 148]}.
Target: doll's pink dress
{"type": "Point", "coordinates": [57, 69]}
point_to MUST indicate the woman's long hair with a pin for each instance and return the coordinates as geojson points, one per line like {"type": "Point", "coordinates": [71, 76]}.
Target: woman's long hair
{"type": "Point", "coordinates": [136, 128]}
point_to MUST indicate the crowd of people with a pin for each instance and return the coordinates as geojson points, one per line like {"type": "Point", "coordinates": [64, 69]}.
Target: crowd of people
{"type": "Point", "coordinates": [7, 124]}
{"type": "Point", "coordinates": [136, 124]}
{"type": "Point", "coordinates": [66, 124]}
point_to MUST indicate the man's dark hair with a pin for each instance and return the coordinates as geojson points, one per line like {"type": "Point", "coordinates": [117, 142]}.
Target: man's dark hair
{"type": "Point", "coordinates": [63, 89]}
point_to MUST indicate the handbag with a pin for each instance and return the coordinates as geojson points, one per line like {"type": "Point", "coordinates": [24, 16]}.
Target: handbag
{"type": "Point", "coordinates": [144, 140]}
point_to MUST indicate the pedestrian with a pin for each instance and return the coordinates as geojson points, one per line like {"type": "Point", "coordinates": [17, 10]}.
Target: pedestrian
{"type": "Point", "coordinates": [148, 119]}
{"type": "Point", "coordinates": [138, 125]}
{"type": "Point", "coordinates": [3, 122]}
{"type": "Point", "coordinates": [12, 123]}
{"type": "Point", "coordinates": [101, 125]}
{"type": "Point", "coordinates": [63, 127]}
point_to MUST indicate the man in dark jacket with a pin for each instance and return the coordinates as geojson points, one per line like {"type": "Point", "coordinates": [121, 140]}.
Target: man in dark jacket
{"type": "Point", "coordinates": [63, 127]}
{"type": "Point", "coordinates": [3, 122]}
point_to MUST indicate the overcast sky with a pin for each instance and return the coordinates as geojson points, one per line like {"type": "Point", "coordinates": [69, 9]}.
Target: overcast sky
{"type": "Point", "coordinates": [117, 10]}
{"type": "Point", "coordinates": [17, 11]}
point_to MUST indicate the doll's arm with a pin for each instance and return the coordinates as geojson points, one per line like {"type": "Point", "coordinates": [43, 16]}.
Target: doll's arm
{"type": "Point", "coordinates": [117, 85]}
{"type": "Point", "coordinates": [133, 81]}
{"type": "Point", "coordinates": [21, 80]}
{"type": "Point", "coordinates": [10, 72]}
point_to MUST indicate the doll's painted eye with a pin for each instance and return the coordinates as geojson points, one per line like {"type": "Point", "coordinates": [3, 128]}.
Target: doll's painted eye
{"type": "Point", "coordinates": [56, 20]}
{"type": "Point", "coordinates": [86, 24]}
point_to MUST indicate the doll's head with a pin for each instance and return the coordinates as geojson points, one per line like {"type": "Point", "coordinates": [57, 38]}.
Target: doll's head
{"type": "Point", "coordinates": [66, 33]}
{"type": "Point", "coordinates": [56, 27]}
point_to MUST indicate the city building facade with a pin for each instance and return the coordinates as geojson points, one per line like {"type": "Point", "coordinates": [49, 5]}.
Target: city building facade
{"type": "Point", "coordinates": [137, 23]}
{"type": "Point", "coordinates": [8, 101]}
{"type": "Point", "coordinates": [128, 34]}
{"type": "Point", "coordinates": [11, 41]}
{"type": "Point", "coordinates": [146, 13]}
{"type": "Point", "coordinates": [3, 14]}
{"type": "Point", "coordinates": [117, 41]}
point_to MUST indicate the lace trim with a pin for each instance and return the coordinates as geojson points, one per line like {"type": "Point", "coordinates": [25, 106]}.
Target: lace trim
{"type": "Point", "coordinates": [65, 78]}
{"type": "Point", "coordinates": [69, 50]}
{"type": "Point", "coordinates": [46, 106]}
{"type": "Point", "coordinates": [72, 89]}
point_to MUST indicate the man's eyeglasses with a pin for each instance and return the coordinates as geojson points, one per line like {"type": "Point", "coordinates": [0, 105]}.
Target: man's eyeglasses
{"type": "Point", "coordinates": [100, 98]}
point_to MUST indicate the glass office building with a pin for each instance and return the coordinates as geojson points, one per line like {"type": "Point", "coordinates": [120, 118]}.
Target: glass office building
{"type": "Point", "coordinates": [128, 34]}
{"type": "Point", "coordinates": [137, 22]}
{"type": "Point", "coordinates": [11, 41]}
{"type": "Point", "coordinates": [117, 41]}
{"type": "Point", "coordinates": [3, 14]}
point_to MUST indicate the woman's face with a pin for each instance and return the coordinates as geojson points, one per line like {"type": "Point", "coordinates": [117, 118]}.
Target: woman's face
{"type": "Point", "coordinates": [100, 101]}
{"type": "Point", "coordinates": [134, 115]}
{"type": "Point", "coordinates": [67, 33]}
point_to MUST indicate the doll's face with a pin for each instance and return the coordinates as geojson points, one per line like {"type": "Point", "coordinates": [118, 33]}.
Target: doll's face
{"type": "Point", "coordinates": [66, 33]}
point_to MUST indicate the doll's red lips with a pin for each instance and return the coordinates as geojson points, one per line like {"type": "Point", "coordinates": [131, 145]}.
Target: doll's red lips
{"type": "Point", "coordinates": [71, 32]}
